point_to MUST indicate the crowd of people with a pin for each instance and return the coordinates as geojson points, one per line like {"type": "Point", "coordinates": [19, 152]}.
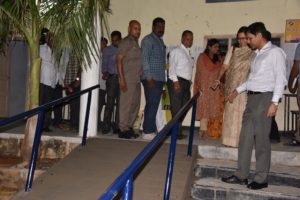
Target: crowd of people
{"type": "Point", "coordinates": [239, 93]}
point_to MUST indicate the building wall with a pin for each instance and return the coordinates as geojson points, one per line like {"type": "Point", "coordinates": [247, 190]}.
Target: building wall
{"type": "Point", "coordinates": [203, 19]}
{"type": "Point", "coordinates": [18, 70]}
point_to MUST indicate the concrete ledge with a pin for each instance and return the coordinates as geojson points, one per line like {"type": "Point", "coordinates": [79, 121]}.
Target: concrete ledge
{"type": "Point", "coordinates": [287, 158]}
{"type": "Point", "coordinates": [211, 189]}
{"type": "Point", "coordinates": [44, 137]}
{"type": "Point", "coordinates": [279, 175]}
{"type": "Point", "coordinates": [51, 147]}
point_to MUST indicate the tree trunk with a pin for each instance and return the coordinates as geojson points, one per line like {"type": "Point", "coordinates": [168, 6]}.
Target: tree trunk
{"type": "Point", "coordinates": [29, 132]}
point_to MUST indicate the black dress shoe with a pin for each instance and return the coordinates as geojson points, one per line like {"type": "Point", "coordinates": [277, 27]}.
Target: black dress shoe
{"type": "Point", "coordinates": [127, 135]}
{"type": "Point", "coordinates": [132, 134]}
{"type": "Point", "coordinates": [105, 131]}
{"type": "Point", "coordinates": [234, 180]}
{"type": "Point", "coordinates": [123, 134]}
{"type": "Point", "coordinates": [116, 131]}
{"type": "Point", "coordinates": [256, 186]}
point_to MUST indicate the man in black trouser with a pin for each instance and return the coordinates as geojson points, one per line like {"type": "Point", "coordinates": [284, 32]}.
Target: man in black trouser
{"type": "Point", "coordinates": [178, 99]}
{"type": "Point", "coordinates": [180, 75]}
{"type": "Point", "coordinates": [72, 84]}
{"type": "Point", "coordinates": [46, 96]}
{"type": "Point", "coordinates": [110, 74]}
{"type": "Point", "coordinates": [57, 94]}
{"type": "Point", "coordinates": [47, 76]}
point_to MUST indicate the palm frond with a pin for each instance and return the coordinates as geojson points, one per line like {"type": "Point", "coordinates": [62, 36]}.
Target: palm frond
{"type": "Point", "coordinates": [71, 21]}
{"type": "Point", "coordinates": [16, 18]}
{"type": "Point", "coordinates": [74, 26]}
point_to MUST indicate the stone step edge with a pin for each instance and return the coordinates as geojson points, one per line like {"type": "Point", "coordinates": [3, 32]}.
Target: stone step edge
{"type": "Point", "coordinates": [271, 190]}
{"type": "Point", "coordinates": [76, 140]}
{"type": "Point", "coordinates": [232, 165]}
{"type": "Point", "coordinates": [277, 157]}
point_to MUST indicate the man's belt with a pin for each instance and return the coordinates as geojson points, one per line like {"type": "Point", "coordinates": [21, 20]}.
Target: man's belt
{"type": "Point", "coordinates": [253, 92]}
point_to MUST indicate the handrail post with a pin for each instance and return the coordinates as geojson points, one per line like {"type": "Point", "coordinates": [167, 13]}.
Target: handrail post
{"type": "Point", "coordinates": [192, 128]}
{"type": "Point", "coordinates": [127, 192]}
{"type": "Point", "coordinates": [35, 150]}
{"type": "Point", "coordinates": [86, 121]}
{"type": "Point", "coordinates": [171, 161]}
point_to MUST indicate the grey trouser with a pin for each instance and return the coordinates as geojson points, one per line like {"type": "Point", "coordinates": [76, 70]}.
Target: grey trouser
{"type": "Point", "coordinates": [129, 105]}
{"type": "Point", "coordinates": [255, 131]}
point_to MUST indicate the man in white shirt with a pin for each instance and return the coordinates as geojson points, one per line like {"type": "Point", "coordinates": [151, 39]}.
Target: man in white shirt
{"type": "Point", "coordinates": [48, 77]}
{"type": "Point", "coordinates": [180, 75]}
{"type": "Point", "coordinates": [265, 86]}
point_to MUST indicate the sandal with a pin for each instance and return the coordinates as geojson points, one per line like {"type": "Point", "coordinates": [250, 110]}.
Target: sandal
{"type": "Point", "coordinates": [294, 143]}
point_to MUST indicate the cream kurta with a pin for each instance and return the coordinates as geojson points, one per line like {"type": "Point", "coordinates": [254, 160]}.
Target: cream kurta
{"type": "Point", "coordinates": [237, 73]}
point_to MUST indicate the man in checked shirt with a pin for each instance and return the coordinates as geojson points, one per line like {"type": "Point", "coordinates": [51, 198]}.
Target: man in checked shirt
{"type": "Point", "coordinates": [153, 74]}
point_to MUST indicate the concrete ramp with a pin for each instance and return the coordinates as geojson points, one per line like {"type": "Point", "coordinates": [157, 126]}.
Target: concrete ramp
{"type": "Point", "coordinates": [87, 171]}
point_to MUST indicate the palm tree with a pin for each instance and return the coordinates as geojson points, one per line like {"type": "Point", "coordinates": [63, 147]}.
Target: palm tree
{"type": "Point", "coordinates": [73, 24]}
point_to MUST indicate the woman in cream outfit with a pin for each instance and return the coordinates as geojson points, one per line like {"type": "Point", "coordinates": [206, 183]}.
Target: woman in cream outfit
{"type": "Point", "coordinates": [237, 68]}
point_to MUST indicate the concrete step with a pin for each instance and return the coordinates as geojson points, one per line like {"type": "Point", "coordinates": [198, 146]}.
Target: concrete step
{"type": "Point", "coordinates": [215, 189]}
{"type": "Point", "coordinates": [279, 175]}
{"type": "Point", "coordinates": [282, 155]}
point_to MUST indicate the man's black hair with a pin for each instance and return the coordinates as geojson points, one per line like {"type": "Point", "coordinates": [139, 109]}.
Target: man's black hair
{"type": "Point", "coordinates": [259, 27]}
{"type": "Point", "coordinates": [43, 37]}
{"type": "Point", "coordinates": [186, 32]}
{"type": "Point", "coordinates": [158, 20]}
{"type": "Point", "coordinates": [116, 33]}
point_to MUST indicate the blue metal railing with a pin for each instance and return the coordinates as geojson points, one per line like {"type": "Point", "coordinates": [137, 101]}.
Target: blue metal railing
{"type": "Point", "coordinates": [38, 132]}
{"type": "Point", "coordinates": [125, 180]}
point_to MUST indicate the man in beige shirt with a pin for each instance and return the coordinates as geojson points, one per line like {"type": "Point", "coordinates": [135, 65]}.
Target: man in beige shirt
{"type": "Point", "coordinates": [129, 69]}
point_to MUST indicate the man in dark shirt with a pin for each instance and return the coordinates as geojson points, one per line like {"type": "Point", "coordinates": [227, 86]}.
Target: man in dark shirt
{"type": "Point", "coordinates": [110, 74]}
{"type": "Point", "coordinates": [102, 83]}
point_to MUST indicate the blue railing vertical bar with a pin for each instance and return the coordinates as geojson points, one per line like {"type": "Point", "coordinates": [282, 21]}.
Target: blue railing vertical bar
{"type": "Point", "coordinates": [38, 131]}
{"type": "Point", "coordinates": [87, 116]}
{"type": "Point", "coordinates": [128, 189]}
{"type": "Point", "coordinates": [192, 128]}
{"type": "Point", "coordinates": [35, 150]}
{"type": "Point", "coordinates": [120, 182]}
{"type": "Point", "coordinates": [171, 160]}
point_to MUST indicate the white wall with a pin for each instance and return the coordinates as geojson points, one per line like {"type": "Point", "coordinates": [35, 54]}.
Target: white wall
{"type": "Point", "coordinates": [204, 19]}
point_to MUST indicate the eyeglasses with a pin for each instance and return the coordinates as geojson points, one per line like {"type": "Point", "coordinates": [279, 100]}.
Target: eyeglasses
{"type": "Point", "coordinates": [242, 38]}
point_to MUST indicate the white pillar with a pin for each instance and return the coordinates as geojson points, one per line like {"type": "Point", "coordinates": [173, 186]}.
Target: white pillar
{"type": "Point", "coordinates": [90, 77]}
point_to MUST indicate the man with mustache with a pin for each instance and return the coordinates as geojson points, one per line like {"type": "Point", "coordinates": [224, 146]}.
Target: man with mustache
{"type": "Point", "coordinates": [153, 74]}
{"type": "Point", "coordinates": [129, 68]}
